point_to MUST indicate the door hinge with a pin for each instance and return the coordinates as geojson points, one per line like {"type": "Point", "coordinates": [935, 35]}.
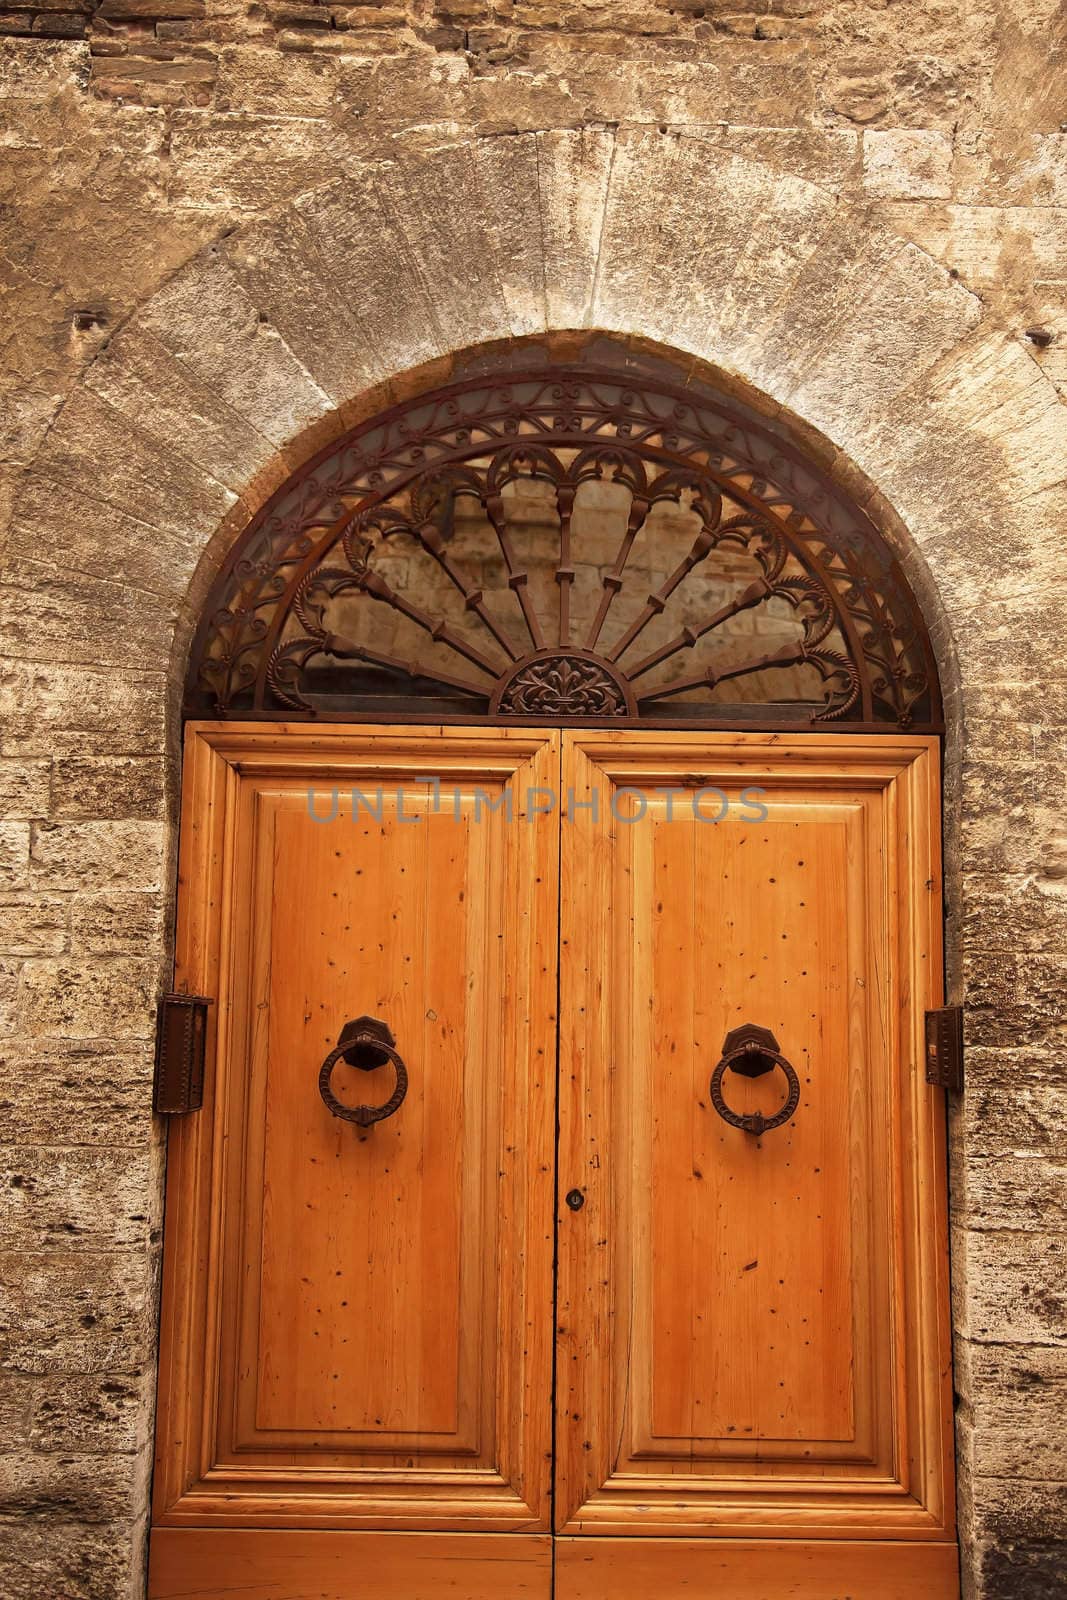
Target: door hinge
{"type": "Point", "coordinates": [181, 1033]}
{"type": "Point", "coordinates": [944, 1048]}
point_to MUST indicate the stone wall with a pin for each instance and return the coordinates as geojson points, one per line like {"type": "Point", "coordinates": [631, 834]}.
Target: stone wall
{"type": "Point", "coordinates": [229, 230]}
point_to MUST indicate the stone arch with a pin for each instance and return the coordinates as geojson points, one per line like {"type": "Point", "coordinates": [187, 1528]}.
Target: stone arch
{"type": "Point", "coordinates": [286, 330]}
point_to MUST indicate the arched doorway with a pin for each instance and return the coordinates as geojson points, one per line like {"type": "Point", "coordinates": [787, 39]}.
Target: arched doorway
{"type": "Point", "coordinates": [563, 755]}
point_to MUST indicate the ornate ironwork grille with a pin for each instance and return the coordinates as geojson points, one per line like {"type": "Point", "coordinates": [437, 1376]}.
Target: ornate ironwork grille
{"type": "Point", "coordinates": [565, 543]}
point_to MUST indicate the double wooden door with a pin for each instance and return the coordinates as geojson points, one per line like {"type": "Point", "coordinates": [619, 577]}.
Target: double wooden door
{"type": "Point", "coordinates": [572, 1320]}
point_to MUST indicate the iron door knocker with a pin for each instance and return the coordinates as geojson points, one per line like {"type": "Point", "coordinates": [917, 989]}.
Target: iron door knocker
{"type": "Point", "coordinates": [752, 1051]}
{"type": "Point", "coordinates": [365, 1043]}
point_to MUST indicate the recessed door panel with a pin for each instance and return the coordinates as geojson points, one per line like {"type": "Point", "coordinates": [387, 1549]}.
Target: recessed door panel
{"type": "Point", "coordinates": [749, 1345]}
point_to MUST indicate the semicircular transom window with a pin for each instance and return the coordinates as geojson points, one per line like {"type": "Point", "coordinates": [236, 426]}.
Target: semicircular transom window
{"type": "Point", "coordinates": [604, 539]}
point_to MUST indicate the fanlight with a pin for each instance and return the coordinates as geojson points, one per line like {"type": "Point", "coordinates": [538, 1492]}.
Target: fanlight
{"type": "Point", "coordinates": [574, 542]}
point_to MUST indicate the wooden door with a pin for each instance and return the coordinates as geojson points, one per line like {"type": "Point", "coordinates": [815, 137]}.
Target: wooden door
{"type": "Point", "coordinates": [355, 1377]}
{"type": "Point", "coordinates": [750, 1330]}
{"type": "Point", "coordinates": [754, 1395]}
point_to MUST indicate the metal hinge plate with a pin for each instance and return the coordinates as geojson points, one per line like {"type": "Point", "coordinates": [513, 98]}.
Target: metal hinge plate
{"type": "Point", "coordinates": [181, 1032]}
{"type": "Point", "coordinates": [944, 1048]}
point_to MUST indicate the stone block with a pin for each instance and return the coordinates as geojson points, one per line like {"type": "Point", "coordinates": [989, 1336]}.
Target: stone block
{"type": "Point", "coordinates": [1013, 1287]}
{"type": "Point", "coordinates": [76, 1313]}
{"type": "Point", "coordinates": [117, 921]}
{"type": "Point", "coordinates": [16, 1397]}
{"type": "Point", "coordinates": [10, 982]}
{"type": "Point", "coordinates": [85, 1199]}
{"type": "Point", "coordinates": [248, 162]}
{"type": "Point", "coordinates": [573, 169]}
{"type": "Point", "coordinates": [283, 272]}
{"type": "Point", "coordinates": [34, 925]}
{"type": "Point", "coordinates": [139, 377]}
{"type": "Point", "coordinates": [74, 1562]}
{"type": "Point", "coordinates": [60, 1092]}
{"type": "Point", "coordinates": [66, 527]}
{"type": "Point", "coordinates": [24, 789]}
{"type": "Point", "coordinates": [14, 856]}
{"type": "Point", "coordinates": [55, 615]}
{"type": "Point", "coordinates": [907, 164]}
{"type": "Point", "coordinates": [1013, 998]}
{"type": "Point", "coordinates": [1021, 1190]}
{"type": "Point", "coordinates": [207, 321]}
{"type": "Point", "coordinates": [365, 258]}
{"type": "Point", "coordinates": [1006, 911]}
{"type": "Point", "coordinates": [1016, 1400]}
{"type": "Point", "coordinates": [106, 788]}
{"type": "Point", "coordinates": [75, 855]}
{"type": "Point", "coordinates": [80, 1489]}
{"type": "Point", "coordinates": [1013, 1104]}
{"type": "Point", "coordinates": [47, 709]}
{"type": "Point", "coordinates": [1023, 1570]}
{"type": "Point", "coordinates": [101, 998]}
{"type": "Point", "coordinates": [101, 1413]}
{"type": "Point", "coordinates": [143, 477]}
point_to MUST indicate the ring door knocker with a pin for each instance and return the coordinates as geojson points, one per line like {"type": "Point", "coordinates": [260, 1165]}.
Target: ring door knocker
{"type": "Point", "coordinates": [752, 1051]}
{"type": "Point", "coordinates": [365, 1043]}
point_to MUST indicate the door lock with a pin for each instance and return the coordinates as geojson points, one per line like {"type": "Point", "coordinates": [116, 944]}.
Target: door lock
{"type": "Point", "coordinates": [575, 1199]}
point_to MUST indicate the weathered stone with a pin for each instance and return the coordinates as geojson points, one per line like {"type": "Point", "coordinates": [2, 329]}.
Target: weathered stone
{"type": "Point", "coordinates": [117, 921]}
{"type": "Point", "coordinates": [84, 1199]}
{"type": "Point", "coordinates": [103, 1413]}
{"type": "Point", "coordinates": [59, 616]}
{"type": "Point", "coordinates": [69, 999]}
{"type": "Point", "coordinates": [140, 378]}
{"type": "Point", "coordinates": [14, 855]}
{"type": "Point", "coordinates": [59, 710]}
{"type": "Point", "coordinates": [75, 1562]}
{"type": "Point", "coordinates": [365, 258]}
{"type": "Point", "coordinates": [907, 164]}
{"type": "Point", "coordinates": [71, 855]}
{"type": "Point", "coordinates": [1016, 1287]}
{"type": "Point", "coordinates": [250, 162]}
{"type": "Point", "coordinates": [1012, 1107]}
{"type": "Point", "coordinates": [36, 925]}
{"type": "Point", "coordinates": [1025, 913]}
{"type": "Point", "coordinates": [105, 788]}
{"type": "Point", "coordinates": [208, 323]}
{"type": "Point", "coordinates": [1016, 1407]}
{"type": "Point", "coordinates": [10, 981]}
{"type": "Point", "coordinates": [280, 269]}
{"type": "Point", "coordinates": [24, 788]}
{"type": "Point", "coordinates": [75, 1313]}
{"type": "Point", "coordinates": [1014, 998]}
{"type": "Point", "coordinates": [96, 538]}
{"type": "Point", "coordinates": [66, 1488]}
{"type": "Point", "coordinates": [1020, 1570]}
{"type": "Point", "coordinates": [93, 445]}
{"type": "Point", "coordinates": [16, 1398]}
{"type": "Point", "coordinates": [1024, 1189]}
{"type": "Point", "coordinates": [72, 1093]}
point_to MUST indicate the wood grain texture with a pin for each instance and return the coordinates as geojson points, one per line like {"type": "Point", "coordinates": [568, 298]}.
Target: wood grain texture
{"type": "Point", "coordinates": [268, 1564]}
{"type": "Point", "coordinates": [745, 1569]}
{"type": "Point", "coordinates": [753, 1331]}
{"type": "Point", "coordinates": [358, 1322]}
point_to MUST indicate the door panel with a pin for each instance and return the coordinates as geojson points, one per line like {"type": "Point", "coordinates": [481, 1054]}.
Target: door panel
{"type": "Point", "coordinates": [753, 1328]}
{"type": "Point", "coordinates": [357, 1322]}
{"type": "Point", "coordinates": [282, 1564]}
{"type": "Point", "coordinates": [752, 1569]}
